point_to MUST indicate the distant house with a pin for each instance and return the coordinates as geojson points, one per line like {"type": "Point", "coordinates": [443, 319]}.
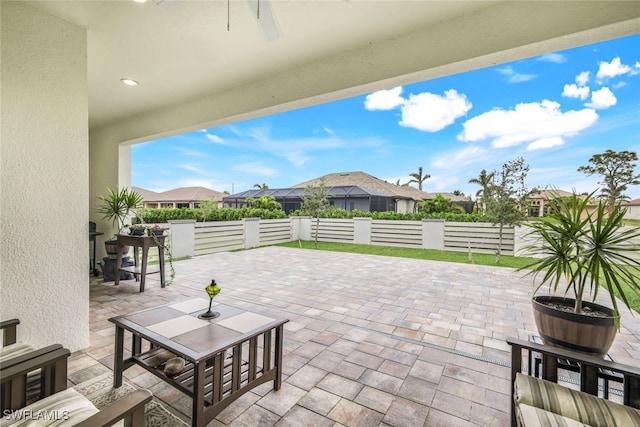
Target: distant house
{"type": "Point", "coordinates": [633, 209]}
{"type": "Point", "coordinates": [184, 197]}
{"type": "Point", "coordinates": [539, 202]}
{"type": "Point", "coordinates": [349, 191]}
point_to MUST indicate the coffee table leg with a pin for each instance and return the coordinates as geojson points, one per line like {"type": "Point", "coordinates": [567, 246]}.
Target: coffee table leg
{"type": "Point", "coordinates": [279, 338]}
{"type": "Point", "coordinates": [197, 419]}
{"type": "Point", "coordinates": [118, 362]}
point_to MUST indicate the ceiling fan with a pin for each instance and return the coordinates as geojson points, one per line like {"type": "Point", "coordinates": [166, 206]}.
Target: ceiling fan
{"type": "Point", "coordinates": [261, 11]}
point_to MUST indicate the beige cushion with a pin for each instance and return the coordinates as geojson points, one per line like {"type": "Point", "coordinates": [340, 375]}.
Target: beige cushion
{"type": "Point", "coordinates": [67, 407]}
{"type": "Point", "coordinates": [530, 416]}
{"type": "Point", "coordinates": [13, 350]}
{"type": "Point", "coordinates": [583, 407]}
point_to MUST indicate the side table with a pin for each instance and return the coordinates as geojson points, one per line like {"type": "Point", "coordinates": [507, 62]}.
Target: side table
{"type": "Point", "coordinates": [140, 268]}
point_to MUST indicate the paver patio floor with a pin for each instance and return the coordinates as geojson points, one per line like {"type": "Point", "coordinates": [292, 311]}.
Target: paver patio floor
{"type": "Point", "coordinates": [372, 341]}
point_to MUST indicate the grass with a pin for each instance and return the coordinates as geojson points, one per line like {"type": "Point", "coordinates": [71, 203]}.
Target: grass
{"type": "Point", "coordinates": [436, 255]}
{"type": "Point", "coordinates": [427, 254]}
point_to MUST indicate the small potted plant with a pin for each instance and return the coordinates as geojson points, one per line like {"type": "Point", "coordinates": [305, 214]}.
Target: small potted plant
{"type": "Point", "coordinates": [116, 206]}
{"type": "Point", "coordinates": [581, 247]}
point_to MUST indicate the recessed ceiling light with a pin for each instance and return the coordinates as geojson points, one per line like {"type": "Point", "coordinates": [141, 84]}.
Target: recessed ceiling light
{"type": "Point", "coordinates": [140, 1]}
{"type": "Point", "coordinates": [129, 82]}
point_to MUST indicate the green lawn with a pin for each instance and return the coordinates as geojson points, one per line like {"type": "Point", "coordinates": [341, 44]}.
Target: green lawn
{"type": "Point", "coordinates": [429, 254]}
{"type": "Point", "coordinates": [434, 255]}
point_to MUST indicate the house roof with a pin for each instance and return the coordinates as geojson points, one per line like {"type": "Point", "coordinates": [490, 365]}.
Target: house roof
{"type": "Point", "coordinates": [296, 192]}
{"type": "Point", "coordinates": [183, 194]}
{"type": "Point", "coordinates": [634, 202]}
{"type": "Point", "coordinates": [550, 194]}
{"type": "Point", "coordinates": [364, 180]}
{"type": "Point", "coordinates": [147, 195]}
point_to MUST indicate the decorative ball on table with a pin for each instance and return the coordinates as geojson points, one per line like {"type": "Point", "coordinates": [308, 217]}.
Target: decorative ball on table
{"type": "Point", "coordinates": [212, 290]}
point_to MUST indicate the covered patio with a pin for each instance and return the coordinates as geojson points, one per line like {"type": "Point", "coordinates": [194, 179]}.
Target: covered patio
{"type": "Point", "coordinates": [371, 340]}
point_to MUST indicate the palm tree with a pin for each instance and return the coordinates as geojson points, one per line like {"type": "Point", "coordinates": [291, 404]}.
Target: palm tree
{"type": "Point", "coordinates": [484, 180]}
{"type": "Point", "coordinates": [262, 186]}
{"type": "Point", "coordinates": [418, 178]}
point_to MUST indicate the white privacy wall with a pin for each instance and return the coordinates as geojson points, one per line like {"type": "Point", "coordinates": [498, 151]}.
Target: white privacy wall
{"type": "Point", "coordinates": [44, 264]}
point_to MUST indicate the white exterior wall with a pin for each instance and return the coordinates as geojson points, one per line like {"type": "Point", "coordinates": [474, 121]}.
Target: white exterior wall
{"type": "Point", "coordinates": [633, 212]}
{"type": "Point", "coordinates": [44, 276]}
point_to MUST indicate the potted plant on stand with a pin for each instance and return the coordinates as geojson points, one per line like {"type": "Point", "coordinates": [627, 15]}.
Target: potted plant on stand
{"type": "Point", "coordinates": [116, 206]}
{"type": "Point", "coordinates": [582, 248]}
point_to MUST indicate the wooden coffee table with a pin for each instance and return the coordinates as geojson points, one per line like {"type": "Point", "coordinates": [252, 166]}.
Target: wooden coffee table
{"type": "Point", "coordinates": [225, 357]}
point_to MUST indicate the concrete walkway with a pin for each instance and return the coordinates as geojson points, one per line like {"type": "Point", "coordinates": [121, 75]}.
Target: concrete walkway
{"type": "Point", "coordinates": [372, 341]}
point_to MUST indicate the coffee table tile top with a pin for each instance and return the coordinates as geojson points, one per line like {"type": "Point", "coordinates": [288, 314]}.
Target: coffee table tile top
{"type": "Point", "coordinates": [193, 305]}
{"type": "Point", "coordinates": [150, 317]}
{"type": "Point", "coordinates": [177, 326]}
{"type": "Point", "coordinates": [245, 322]}
{"type": "Point", "coordinates": [205, 341]}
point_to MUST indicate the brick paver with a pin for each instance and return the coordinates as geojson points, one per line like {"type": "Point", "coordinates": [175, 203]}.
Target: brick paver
{"type": "Point", "coordinates": [372, 340]}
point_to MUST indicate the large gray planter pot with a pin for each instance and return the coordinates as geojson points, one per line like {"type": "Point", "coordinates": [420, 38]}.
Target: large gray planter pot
{"type": "Point", "coordinates": [577, 332]}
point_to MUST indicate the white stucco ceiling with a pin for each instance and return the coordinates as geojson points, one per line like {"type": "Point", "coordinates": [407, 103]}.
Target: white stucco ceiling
{"type": "Point", "coordinates": [186, 60]}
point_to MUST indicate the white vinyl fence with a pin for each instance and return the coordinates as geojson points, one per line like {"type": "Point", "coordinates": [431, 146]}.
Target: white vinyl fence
{"type": "Point", "coordinates": [188, 238]}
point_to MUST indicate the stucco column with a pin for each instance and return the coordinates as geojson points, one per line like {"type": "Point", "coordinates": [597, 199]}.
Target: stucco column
{"type": "Point", "coordinates": [44, 220]}
{"type": "Point", "coordinates": [251, 232]}
{"type": "Point", "coordinates": [183, 232]}
{"type": "Point", "coordinates": [362, 231]}
{"type": "Point", "coordinates": [433, 234]}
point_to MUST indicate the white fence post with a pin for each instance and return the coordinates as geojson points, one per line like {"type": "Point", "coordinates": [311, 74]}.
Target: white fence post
{"type": "Point", "coordinates": [251, 232]}
{"type": "Point", "coordinates": [300, 228]}
{"type": "Point", "coordinates": [182, 237]}
{"type": "Point", "coordinates": [362, 231]}
{"type": "Point", "coordinates": [433, 233]}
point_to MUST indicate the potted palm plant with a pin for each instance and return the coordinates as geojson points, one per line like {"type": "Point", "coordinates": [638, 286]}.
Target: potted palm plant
{"type": "Point", "coordinates": [580, 248]}
{"type": "Point", "coordinates": [116, 206]}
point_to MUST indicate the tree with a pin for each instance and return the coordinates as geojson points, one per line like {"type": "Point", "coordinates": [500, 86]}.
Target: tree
{"type": "Point", "coordinates": [439, 204]}
{"type": "Point", "coordinates": [314, 201]}
{"type": "Point", "coordinates": [458, 193]}
{"type": "Point", "coordinates": [617, 170]}
{"type": "Point", "coordinates": [264, 202]}
{"type": "Point", "coordinates": [418, 177]}
{"type": "Point", "coordinates": [484, 180]}
{"type": "Point", "coordinates": [508, 203]}
{"type": "Point", "coordinates": [262, 186]}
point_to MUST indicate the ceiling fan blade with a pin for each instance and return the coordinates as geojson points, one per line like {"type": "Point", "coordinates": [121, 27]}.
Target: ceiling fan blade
{"type": "Point", "coordinates": [262, 12]}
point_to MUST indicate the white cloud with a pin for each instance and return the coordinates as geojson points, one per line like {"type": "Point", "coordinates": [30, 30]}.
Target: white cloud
{"type": "Point", "coordinates": [329, 131]}
{"type": "Point", "coordinates": [214, 138]}
{"type": "Point", "coordinates": [573, 91]}
{"type": "Point", "coordinates": [532, 123]}
{"type": "Point", "coordinates": [611, 69]}
{"type": "Point", "coordinates": [430, 112]}
{"type": "Point", "coordinates": [191, 153]}
{"type": "Point", "coordinates": [601, 99]}
{"type": "Point", "coordinates": [255, 168]}
{"type": "Point", "coordinates": [619, 85]}
{"type": "Point", "coordinates": [192, 169]}
{"type": "Point", "coordinates": [461, 158]}
{"type": "Point", "coordinates": [515, 77]}
{"type": "Point", "coordinates": [384, 99]}
{"type": "Point", "coordinates": [553, 57]}
{"type": "Point", "coordinates": [545, 143]}
{"type": "Point", "coordinates": [583, 78]}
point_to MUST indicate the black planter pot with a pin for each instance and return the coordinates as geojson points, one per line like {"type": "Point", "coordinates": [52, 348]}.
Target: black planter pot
{"type": "Point", "coordinates": [592, 335]}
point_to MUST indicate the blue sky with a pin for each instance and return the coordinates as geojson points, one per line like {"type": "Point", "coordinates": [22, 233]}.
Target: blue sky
{"type": "Point", "coordinates": [555, 110]}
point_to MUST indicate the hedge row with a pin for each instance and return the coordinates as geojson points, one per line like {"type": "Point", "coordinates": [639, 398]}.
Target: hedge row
{"type": "Point", "coordinates": [151, 216]}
